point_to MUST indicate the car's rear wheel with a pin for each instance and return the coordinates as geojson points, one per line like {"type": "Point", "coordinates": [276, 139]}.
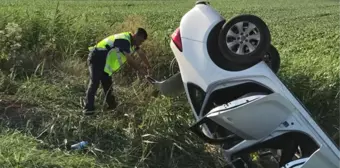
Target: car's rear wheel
{"type": "Point", "coordinates": [174, 68]}
{"type": "Point", "coordinates": [244, 39]}
{"type": "Point", "coordinates": [272, 59]}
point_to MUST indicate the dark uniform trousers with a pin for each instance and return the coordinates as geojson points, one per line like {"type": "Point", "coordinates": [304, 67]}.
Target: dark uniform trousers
{"type": "Point", "coordinates": [96, 61]}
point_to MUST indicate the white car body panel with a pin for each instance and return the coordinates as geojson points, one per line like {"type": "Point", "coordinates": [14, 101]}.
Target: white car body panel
{"type": "Point", "coordinates": [205, 16]}
{"type": "Point", "coordinates": [319, 159]}
{"type": "Point", "coordinates": [196, 67]}
{"type": "Point", "coordinates": [248, 120]}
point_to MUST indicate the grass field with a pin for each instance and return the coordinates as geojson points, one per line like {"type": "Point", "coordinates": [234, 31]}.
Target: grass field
{"type": "Point", "coordinates": [43, 77]}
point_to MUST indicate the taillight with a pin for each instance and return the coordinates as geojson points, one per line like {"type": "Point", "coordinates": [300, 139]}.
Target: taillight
{"type": "Point", "coordinates": [176, 38]}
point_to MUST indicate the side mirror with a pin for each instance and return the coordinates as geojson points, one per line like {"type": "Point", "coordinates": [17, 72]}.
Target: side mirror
{"type": "Point", "coordinates": [170, 87]}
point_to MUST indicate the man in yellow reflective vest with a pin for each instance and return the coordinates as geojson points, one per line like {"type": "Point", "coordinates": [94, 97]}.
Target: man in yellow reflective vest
{"type": "Point", "coordinates": [107, 57]}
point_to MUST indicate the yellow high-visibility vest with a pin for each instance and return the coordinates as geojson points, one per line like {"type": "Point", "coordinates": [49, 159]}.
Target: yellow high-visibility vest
{"type": "Point", "coordinates": [115, 59]}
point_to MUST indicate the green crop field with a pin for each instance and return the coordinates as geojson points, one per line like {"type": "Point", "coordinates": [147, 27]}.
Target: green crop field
{"type": "Point", "coordinates": [43, 78]}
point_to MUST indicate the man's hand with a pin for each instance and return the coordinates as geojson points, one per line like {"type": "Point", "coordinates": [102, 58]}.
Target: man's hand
{"type": "Point", "coordinates": [135, 65]}
{"type": "Point", "coordinates": [142, 72]}
{"type": "Point", "coordinates": [149, 70]}
{"type": "Point", "coordinates": [141, 54]}
{"type": "Point", "coordinates": [132, 62]}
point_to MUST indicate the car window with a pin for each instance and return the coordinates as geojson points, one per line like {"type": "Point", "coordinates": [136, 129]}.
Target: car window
{"type": "Point", "coordinates": [197, 96]}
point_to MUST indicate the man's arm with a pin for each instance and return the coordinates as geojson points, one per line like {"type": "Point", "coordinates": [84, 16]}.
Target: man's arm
{"type": "Point", "coordinates": [124, 47]}
{"type": "Point", "coordinates": [142, 55]}
{"type": "Point", "coordinates": [133, 63]}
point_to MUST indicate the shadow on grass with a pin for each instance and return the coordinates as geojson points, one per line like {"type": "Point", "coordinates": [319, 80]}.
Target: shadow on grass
{"type": "Point", "coordinates": [107, 132]}
{"type": "Point", "coordinates": [169, 153]}
{"type": "Point", "coordinates": [14, 114]}
{"type": "Point", "coordinates": [53, 127]}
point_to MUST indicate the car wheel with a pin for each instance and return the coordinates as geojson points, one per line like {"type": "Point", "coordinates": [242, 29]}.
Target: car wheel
{"type": "Point", "coordinates": [244, 39]}
{"type": "Point", "coordinates": [174, 68]}
{"type": "Point", "coordinates": [272, 59]}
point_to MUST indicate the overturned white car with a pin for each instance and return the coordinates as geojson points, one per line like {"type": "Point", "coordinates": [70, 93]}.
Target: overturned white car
{"type": "Point", "coordinates": [228, 70]}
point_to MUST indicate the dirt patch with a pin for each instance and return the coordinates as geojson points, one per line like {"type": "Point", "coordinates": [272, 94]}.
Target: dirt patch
{"type": "Point", "coordinates": [14, 111]}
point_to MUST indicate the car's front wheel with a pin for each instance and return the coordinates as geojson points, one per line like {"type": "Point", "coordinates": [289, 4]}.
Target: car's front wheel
{"type": "Point", "coordinates": [244, 39]}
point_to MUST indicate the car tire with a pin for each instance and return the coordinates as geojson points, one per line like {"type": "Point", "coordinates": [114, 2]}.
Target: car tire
{"type": "Point", "coordinates": [272, 59]}
{"type": "Point", "coordinates": [174, 68]}
{"type": "Point", "coordinates": [246, 46]}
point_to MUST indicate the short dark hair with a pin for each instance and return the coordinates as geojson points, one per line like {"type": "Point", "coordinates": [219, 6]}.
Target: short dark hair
{"type": "Point", "coordinates": [142, 32]}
